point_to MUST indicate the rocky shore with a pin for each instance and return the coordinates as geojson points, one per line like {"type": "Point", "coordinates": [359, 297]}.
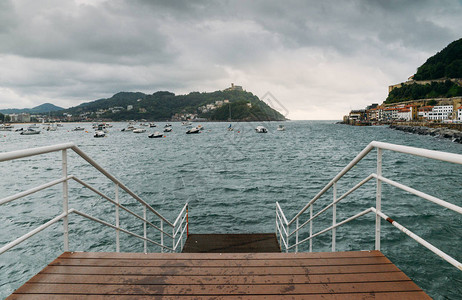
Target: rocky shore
{"type": "Point", "coordinates": [454, 135]}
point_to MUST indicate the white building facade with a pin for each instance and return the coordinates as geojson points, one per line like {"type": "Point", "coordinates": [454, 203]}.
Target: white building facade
{"type": "Point", "coordinates": [440, 113]}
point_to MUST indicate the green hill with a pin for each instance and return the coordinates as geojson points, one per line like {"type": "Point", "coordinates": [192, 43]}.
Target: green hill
{"type": "Point", "coordinates": [164, 105]}
{"type": "Point", "coordinates": [445, 64]}
{"type": "Point", "coordinates": [43, 108]}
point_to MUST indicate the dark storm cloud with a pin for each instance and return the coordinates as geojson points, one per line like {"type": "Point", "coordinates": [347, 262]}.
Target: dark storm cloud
{"type": "Point", "coordinates": [64, 51]}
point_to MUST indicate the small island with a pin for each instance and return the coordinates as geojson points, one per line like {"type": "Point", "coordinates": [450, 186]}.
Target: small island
{"type": "Point", "coordinates": [231, 104]}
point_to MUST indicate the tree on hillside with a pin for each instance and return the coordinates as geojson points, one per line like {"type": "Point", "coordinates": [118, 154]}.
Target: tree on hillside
{"type": "Point", "coordinates": [446, 63]}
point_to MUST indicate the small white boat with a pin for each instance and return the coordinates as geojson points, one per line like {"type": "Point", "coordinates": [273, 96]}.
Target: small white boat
{"type": "Point", "coordinates": [230, 127]}
{"type": "Point", "coordinates": [167, 125]}
{"type": "Point", "coordinates": [129, 128]}
{"type": "Point", "coordinates": [261, 129]}
{"type": "Point", "coordinates": [99, 134]}
{"type": "Point", "coordinates": [139, 130]}
{"type": "Point", "coordinates": [186, 123]}
{"type": "Point", "coordinates": [144, 124]}
{"type": "Point", "coordinates": [6, 127]}
{"type": "Point", "coordinates": [152, 125]}
{"type": "Point", "coordinates": [281, 128]}
{"type": "Point", "coordinates": [52, 128]}
{"type": "Point", "coordinates": [34, 126]}
{"type": "Point", "coordinates": [30, 131]}
{"type": "Point", "coordinates": [156, 134]}
{"type": "Point", "coordinates": [193, 130]}
{"type": "Point", "coordinates": [167, 129]}
{"type": "Point", "coordinates": [78, 128]}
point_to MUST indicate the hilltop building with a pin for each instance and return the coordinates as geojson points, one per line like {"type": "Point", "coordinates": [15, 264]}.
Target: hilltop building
{"type": "Point", "coordinates": [234, 88]}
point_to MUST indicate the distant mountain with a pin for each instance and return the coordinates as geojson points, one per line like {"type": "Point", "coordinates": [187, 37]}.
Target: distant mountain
{"type": "Point", "coordinates": [41, 109]}
{"type": "Point", "coordinates": [445, 64]}
{"type": "Point", "coordinates": [164, 105]}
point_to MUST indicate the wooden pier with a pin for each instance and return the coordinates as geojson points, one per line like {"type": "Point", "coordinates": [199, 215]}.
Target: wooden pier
{"type": "Point", "coordinates": [317, 275]}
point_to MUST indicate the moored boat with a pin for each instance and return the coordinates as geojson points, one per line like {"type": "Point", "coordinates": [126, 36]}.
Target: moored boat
{"type": "Point", "coordinates": [261, 129]}
{"type": "Point", "coordinates": [193, 130]}
{"type": "Point", "coordinates": [156, 134]}
{"type": "Point", "coordinates": [30, 131]}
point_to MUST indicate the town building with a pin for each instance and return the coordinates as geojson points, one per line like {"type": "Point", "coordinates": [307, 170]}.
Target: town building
{"type": "Point", "coordinates": [440, 113]}
{"type": "Point", "coordinates": [424, 111]}
{"type": "Point", "coordinates": [459, 114]}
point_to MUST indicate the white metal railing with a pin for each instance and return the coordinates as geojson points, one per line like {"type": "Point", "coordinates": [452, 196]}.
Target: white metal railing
{"type": "Point", "coordinates": [178, 228]}
{"type": "Point", "coordinates": [283, 226]}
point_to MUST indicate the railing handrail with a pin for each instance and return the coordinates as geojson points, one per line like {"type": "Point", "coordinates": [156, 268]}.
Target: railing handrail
{"type": "Point", "coordinates": [12, 155]}
{"type": "Point", "coordinates": [433, 154]}
{"type": "Point", "coordinates": [54, 148]}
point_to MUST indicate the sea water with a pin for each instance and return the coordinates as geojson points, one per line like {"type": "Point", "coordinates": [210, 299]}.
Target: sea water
{"type": "Point", "coordinates": [231, 180]}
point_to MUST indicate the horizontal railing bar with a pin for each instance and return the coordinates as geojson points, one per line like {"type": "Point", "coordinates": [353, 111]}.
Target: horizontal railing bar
{"type": "Point", "coordinates": [282, 213]}
{"type": "Point", "coordinates": [420, 194]}
{"type": "Point", "coordinates": [334, 226]}
{"type": "Point", "coordinates": [118, 228]}
{"type": "Point", "coordinates": [280, 221]}
{"type": "Point", "coordinates": [433, 154]}
{"type": "Point", "coordinates": [420, 240]}
{"type": "Point", "coordinates": [362, 182]}
{"type": "Point", "coordinates": [115, 180]}
{"type": "Point", "coordinates": [33, 232]}
{"type": "Point", "coordinates": [181, 212]}
{"type": "Point", "coordinates": [34, 151]}
{"type": "Point", "coordinates": [358, 157]}
{"type": "Point", "coordinates": [33, 190]}
{"type": "Point", "coordinates": [118, 204]}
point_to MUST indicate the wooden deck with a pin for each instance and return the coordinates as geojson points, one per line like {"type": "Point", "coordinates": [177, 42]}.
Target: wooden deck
{"type": "Point", "coordinates": [232, 243]}
{"type": "Point", "coordinates": [339, 275]}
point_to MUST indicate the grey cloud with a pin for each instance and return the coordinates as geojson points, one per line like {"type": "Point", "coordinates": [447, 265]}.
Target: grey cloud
{"type": "Point", "coordinates": [58, 49]}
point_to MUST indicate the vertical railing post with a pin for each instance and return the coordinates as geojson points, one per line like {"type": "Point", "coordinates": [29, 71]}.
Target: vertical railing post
{"type": "Point", "coordinates": [117, 218]}
{"type": "Point", "coordinates": [287, 238]}
{"type": "Point", "coordinates": [334, 215]}
{"type": "Point", "coordinates": [311, 228]}
{"type": "Point", "coordinates": [173, 239]}
{"type": "Point", "coordinates": [144, 229]}
{"type": "Point", "coordinates": [187, 220]}
{"type": "Point", "coordinates": [378, 199]}
{"type": "Point", "coordinates": [181, 240]}
{"type": "Point", "coordinates": [65, 202]}
{"type": "Point", "coordinates": [296, 237]}
{"type": "Point", "coordinates": [162, 235]}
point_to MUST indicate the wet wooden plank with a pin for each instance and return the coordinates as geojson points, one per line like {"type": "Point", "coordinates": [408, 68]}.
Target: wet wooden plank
{"type": "Point", "coordinates": [414, 295]}
{"type": "Point", "coordinates": [220, 263]}
{"type": "Point", "coordinates": [220, 271]}
{"type": "Point", "coordinates": [244, 279]}
{"type": "Point", "coordinates": [274, 289]}
{"type": "Point", "coordinates": [218, 256]}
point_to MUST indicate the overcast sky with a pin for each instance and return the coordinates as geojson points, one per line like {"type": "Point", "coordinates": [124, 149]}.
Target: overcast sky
{"type": "Point", "coordinates": [319, 59]}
